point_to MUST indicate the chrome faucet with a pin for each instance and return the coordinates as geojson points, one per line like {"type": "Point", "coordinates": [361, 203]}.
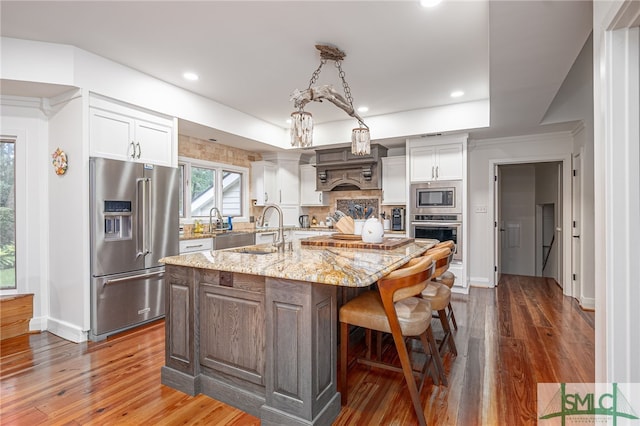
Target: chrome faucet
{"type": "Point", "coordinates": [218, 219]}
{"type": "Point", "coordinates": [279, 243]}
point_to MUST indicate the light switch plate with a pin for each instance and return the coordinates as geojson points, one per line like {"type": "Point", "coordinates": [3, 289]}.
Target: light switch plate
{"type": "Point", "coordinates": [481, 209]}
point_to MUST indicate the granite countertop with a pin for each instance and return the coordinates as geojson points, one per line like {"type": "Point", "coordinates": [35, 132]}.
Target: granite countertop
{"type": "Point", "coordinates": [347, 267]}
{"type": "Point", "coordinates": [269, 229]}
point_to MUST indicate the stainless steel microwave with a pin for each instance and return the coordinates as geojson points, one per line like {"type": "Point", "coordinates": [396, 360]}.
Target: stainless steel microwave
{"type": "Point", "coordinates": [442, 197]}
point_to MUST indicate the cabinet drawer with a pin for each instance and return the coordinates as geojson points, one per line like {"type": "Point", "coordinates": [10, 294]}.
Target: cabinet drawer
{"type": "Point", "coordinates": [198, 244]}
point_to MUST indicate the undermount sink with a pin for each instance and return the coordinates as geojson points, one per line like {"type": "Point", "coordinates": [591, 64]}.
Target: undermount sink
{"type": "Point", "coordinates": [261, 249]}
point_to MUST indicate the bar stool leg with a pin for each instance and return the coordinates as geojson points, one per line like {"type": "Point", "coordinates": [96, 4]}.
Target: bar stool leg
{"type": "Point", "coordinates": [344, 346]}
{"type": "Point", "coordinates": [429, 343]}
{"type": "Point", "coordinates": [452, 316]}
{"type": "Point", "coordinates": [448, 335]}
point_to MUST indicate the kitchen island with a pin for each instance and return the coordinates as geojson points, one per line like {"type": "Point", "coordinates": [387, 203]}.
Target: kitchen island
{"type": "Point", "coordinates": [257, 328]}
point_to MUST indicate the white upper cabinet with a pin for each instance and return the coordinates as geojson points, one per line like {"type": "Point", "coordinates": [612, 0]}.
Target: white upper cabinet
{"type": "Point", "coordinates": [288, 182]}
{"type": "Point", "coordinates": [394, 180]}
{"type": "Point", "coordinates": [263, 183]}
{"type": "Point", "coordinates": [436, 162]}
{"type": "Point", "coordinates": [277, 180]}
{"type": "Point", "coordinates": [125, 133]}
{"type": "Point", "coordinates": [308, 194]}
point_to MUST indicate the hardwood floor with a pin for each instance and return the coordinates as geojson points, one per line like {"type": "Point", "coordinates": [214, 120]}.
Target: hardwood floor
{"type": "Point", "coordinates": [509, 339]}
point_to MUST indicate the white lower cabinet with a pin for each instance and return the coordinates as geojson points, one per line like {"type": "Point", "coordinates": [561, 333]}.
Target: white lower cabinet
{"type": "Point", "coordinates": [196, 244]}
{"type": "Point", "coordinates": [267, 237]}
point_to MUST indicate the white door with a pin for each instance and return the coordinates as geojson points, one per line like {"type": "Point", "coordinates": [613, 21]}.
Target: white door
{"type": "Point", "coordinates": [576, 246]}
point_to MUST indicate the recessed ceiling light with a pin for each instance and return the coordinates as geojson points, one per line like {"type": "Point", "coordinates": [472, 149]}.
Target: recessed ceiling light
{"type": "Point", "coordinates": [191, 76]}
{"type": "Point", "coordinates": [429, 3]}
{"type": "Point", "coordinates": [457, 93]}
{"type": "Point", "coordinates": [363, 109]}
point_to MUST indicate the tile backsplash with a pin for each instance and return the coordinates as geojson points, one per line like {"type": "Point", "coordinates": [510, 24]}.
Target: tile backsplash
{"type": "Point", "coordinates": [344, 204]}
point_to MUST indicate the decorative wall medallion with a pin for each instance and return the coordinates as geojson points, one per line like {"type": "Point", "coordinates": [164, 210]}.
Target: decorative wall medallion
{"type": "Point", "coordinates": [59, 161]}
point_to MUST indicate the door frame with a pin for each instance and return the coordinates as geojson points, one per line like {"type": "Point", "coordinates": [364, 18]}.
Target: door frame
{"type": "Point", "coordinates": [577, 184]}
{"type": "Point", "coordinates": [565, 255]}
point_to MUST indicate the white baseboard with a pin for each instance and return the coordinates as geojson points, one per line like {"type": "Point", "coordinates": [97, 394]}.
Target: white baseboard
{"type": "Point", "coordinates": [587, 303]}
{"type": "Point", "coordinates": [460, 290]}
{"type": "Point", "coordinates": [480, 282]}
{"type": "Point", "coordinates": [38, 324]}
{"type": "Point", "coordinates": [66, 331]}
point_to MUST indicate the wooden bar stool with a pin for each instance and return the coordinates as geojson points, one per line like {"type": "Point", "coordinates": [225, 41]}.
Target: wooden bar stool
{"type": "Point", "coordinates": [393, 308]}
{"type": "Point", "coordinates": [447, 277]}
{"type": "Point", "coordinates": [440, 296]}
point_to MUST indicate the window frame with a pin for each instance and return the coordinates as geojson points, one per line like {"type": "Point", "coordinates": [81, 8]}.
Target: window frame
{"type": "Point", "coordinates": [186, 163]}
{"type": "Point", "coordinates": [13, 140]}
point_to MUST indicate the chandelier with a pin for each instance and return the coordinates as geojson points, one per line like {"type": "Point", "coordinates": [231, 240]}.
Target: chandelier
{"type": "Point", "coordinates": [302, 121]}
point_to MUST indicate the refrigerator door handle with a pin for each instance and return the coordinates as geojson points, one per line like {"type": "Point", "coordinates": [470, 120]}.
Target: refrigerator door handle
{"type": "Point", "coordinates": [148, 218]}
{"type": "Point", "coordinates": [143, 208]}
{"type": "Point", "coordinates": [158, 274]}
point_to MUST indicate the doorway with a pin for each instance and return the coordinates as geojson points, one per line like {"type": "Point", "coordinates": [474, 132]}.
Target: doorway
{"type": "Point", "coordinates": [529, 215]}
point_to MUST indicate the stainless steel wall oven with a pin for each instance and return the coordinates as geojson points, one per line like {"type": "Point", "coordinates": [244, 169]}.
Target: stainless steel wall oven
{"type": "Point", "coordinates": [436, 212]}
{"type": "Point", "coordinates": [439, 227]}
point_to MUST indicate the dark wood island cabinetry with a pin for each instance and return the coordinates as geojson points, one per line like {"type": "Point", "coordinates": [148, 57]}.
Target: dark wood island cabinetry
{"type": "Point", "coordinates": [259, 331]}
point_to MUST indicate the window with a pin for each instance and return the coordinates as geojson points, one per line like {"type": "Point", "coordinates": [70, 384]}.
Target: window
{"type": "Point", "coordinates": [203, 190]}
{"type": "Point", "coordinates": [231, 193]}
{"type": "Point", "coordinates": [7, 215]}
{"type": "Point", "coordinates": [205, 185]}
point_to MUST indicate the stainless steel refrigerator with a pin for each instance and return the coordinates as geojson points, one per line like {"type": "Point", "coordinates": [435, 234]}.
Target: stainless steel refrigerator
{"type": "Point", "coordinates": [134, 223]}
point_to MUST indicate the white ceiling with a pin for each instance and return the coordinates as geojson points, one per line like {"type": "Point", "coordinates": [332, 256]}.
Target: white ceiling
{"type": "Point", "coordinates": [251, 55]}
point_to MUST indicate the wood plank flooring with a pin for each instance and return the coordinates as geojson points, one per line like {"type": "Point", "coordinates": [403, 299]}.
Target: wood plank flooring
{"type": "Point", "coordinates": [509, 339]}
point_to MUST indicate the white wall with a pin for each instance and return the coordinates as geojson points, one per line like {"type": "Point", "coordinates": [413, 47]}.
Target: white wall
{"type": "Point", "coordinates": [52, 219]}
{"type": "Point", "coordinates": [21, 117]}
{"type": "Point", "coordinates": [68, 198]}
{"type": "Point", "coordinates": [483, 155]}
{"type": "Point", "coordinates": [617, 189]}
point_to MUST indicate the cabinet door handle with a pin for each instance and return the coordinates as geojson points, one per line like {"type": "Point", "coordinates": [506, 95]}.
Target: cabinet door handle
{"type": "Point", "coordinates": [139, 150]}
{"type": "Point", "coordinates": [320, 197]}
{"type": "Point", "coordinates": [437, 171]}
{"type": "Point", "coordinates": [433, 175]}
{"type": "Point", "coordinates": [266, 197]}
{"type": "Point", "coordinates": [133, 150]}
{"type": "Point", "coordinates": [280, 195]}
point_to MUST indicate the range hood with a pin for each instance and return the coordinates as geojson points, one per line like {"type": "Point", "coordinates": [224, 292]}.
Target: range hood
{"type": "Point", "coordinates": [337, 169]}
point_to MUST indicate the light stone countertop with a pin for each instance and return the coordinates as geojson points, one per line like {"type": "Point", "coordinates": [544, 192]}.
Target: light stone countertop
{"type": "Point", "coordinates": [202, 235]}
{"type": "Point", "coordinates": [347, 267]}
